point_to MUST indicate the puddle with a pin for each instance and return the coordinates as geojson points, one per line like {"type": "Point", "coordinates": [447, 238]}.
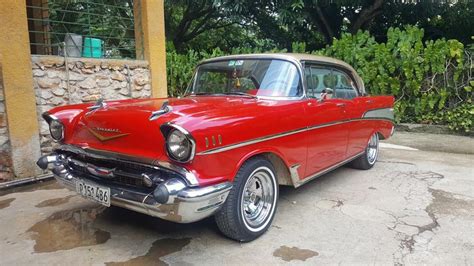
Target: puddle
{"type": "Point", "coordinates": [53, 202]}
{"type": "Point", "coordinates": [68, 229]}
{"type": "Point", "coordinates": [119, 217]}
{"type": "Point", "coordinates": [44, 185]}
{"type": "Point", "coordinates": [294, 253]}
{"type": "Point", "coordinates": [5, 203]}
{"type": "Point", "coordinates": [159, 249]}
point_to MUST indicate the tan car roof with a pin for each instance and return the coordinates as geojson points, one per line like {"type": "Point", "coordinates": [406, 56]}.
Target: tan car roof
{"type": "Point", "coordinates": [297, 58]}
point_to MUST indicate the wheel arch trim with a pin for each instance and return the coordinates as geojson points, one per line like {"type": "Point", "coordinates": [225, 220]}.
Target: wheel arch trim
{"type": "Point", "coordinates": [276, 158]}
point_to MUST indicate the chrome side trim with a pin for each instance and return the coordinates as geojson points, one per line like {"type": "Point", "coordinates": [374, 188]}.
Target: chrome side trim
{"type": "Point", "coordinates": [298, 182]}
{"type": "Point", "coordinates": [261, 139]}
{"type": "Point", "coordinates": [250, 142]}
{"type": "Point", "coordinates": [284, 134]}
{"type": "Point", "coordinates": [190, 178]}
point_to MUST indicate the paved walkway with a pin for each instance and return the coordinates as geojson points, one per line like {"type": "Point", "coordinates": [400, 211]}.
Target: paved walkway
{"type": "Point", "coordinates": [416, 206]}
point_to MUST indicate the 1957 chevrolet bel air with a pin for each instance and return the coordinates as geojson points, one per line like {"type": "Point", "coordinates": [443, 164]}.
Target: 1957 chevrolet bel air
{"type": "Point", "coordinates": [247, 124]}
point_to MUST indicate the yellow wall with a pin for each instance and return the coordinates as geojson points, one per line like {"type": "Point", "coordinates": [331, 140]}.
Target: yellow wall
{"type": "Point", "coordinates": [150, 36]}
{"type": "Point", "coordinates": [20, 100]}
{"type": "Point", "coordinates": [19, 95]}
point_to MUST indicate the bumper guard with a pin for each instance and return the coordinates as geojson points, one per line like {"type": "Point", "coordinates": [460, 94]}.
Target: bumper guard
{"type": "Point", "coordinates": [183, 204]}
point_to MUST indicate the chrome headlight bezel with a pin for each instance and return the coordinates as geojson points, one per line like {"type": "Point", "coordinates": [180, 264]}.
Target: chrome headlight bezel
{"type": "Point", "coordinates": [174, 131]}
{"type": "Point", "coordinates": [56, 127]}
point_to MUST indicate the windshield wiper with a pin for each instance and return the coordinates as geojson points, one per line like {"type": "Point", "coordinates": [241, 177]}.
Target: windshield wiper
{"type": "Point", "coordinates": [240, 94]}
{"type": "Point", "coordinates": [199, 93]}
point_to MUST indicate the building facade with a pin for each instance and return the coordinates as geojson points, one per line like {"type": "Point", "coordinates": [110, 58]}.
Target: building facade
{"type": "Point", "coordinates": [31, 83]}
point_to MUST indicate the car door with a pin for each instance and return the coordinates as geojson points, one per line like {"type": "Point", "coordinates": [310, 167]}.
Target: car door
{"type": "Point", "coordinates": [326, 119]}
{"type": "Point", "coordinates": [359, 130]}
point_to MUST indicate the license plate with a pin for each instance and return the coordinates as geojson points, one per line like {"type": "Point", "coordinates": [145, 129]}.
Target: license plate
{"type": "Point", "coordinates": [94, 192]}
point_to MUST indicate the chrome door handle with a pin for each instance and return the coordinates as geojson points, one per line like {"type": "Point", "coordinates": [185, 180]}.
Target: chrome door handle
{"type": "Point", "coordinates": [369, 101]}
{"type": "Point", "coordinates": [340, 104]}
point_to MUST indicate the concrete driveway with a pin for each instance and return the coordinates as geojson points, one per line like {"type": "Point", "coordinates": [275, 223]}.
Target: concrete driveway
{"type": "Point", "coordinates": [413, 207]}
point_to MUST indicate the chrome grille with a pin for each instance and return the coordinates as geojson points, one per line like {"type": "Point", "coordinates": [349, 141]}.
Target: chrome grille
{"type": "Point", "coordinates": [123, 173]}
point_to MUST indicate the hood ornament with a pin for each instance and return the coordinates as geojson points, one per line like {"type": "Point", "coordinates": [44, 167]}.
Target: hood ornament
{"type": "Point", "coordinates": [165, 108]}
{"type": "Point", "coordinates": [98, 105]}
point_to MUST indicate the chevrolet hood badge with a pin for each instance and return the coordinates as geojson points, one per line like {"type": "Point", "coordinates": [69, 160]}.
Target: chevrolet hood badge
{"type": "Point", "coordinates": [96, 133]}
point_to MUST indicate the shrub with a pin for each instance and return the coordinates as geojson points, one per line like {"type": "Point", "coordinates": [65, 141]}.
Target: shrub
{"type": "Point", "coordinates": [432, 81]}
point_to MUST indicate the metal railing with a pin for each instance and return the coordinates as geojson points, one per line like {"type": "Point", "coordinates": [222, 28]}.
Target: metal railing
{"type": "Point", "coordinates": [84, 28]}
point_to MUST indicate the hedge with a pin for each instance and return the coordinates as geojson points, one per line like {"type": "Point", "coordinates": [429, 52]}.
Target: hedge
{"type": "Point", "coordinates": [431, 80]}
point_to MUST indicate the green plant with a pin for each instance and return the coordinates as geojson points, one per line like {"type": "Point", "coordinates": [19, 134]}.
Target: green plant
{"type": "Point", "coordinates": [460, 118]}
{"type": "Point", "coordinates": [432, 81]}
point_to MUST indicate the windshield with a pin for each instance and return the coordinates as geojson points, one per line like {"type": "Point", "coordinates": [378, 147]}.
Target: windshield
{"type": "Point", "coordinates": [261, 77]}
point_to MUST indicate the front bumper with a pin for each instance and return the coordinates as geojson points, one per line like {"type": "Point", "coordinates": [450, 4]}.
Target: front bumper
{"type": "Point", "coordinates": [185, 204]}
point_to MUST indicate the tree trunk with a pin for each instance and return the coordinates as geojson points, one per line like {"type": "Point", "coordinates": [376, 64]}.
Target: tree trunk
{"type": "Point", "coordinates": [366, 15]}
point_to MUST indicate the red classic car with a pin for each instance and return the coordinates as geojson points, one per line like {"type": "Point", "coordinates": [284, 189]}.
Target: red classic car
{"type": "Point", "coordinates": [247, 124]}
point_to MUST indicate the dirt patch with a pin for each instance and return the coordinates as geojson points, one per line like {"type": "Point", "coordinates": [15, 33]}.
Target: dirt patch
{"type": "Point", "coordinates": [294, 253]}
{"type": "Point", "coordinates": [69, 229]}
{"type": "Point", "coordinates": [53, 202]}
{"type": "Point", "coordinates": [447, 203]}
{"type": "Point", "coordinates": [339, 203]}
{"type": "Point", "coordinates": [5, 203]}
{"type": "Point", "coordinates": [159, 249]}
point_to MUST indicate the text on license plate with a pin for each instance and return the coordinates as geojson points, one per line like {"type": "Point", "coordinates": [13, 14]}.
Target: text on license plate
{"type": "Point", "coordinates": [94, 192]}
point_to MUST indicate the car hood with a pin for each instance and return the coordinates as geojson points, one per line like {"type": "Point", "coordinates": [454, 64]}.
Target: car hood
{"type": "Point", "coordinates": [125, 126]}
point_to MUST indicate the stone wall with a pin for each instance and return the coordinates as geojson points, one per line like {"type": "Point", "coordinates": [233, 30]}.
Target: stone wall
{"type": "Point", "coordinates": [6, 171]}
{"type": "Point", "coordinates": [85, 80]}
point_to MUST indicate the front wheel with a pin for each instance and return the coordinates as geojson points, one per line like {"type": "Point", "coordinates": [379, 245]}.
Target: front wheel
{"type": "Point", "coordinates": [250, 207]}
{"type": "Point", "coordinates": [369, 157]}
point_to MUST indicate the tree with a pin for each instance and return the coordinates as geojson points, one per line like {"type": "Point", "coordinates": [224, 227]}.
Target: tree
{"type": "Point", "coordinates": [449, 19]}
{"type": "Point", "coordinates": [331, 18]}
{"type": "Point", "coordinates": [187, 19]}
{"type": "Point", "coordinates": [315, 22]}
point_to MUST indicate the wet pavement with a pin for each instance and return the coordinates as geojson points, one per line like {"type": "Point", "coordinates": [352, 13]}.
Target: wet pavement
{"type": "Point", "coordinates": [413, 207]}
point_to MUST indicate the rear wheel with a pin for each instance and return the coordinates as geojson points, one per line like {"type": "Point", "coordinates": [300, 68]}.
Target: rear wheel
{"type": "Point", "coordinates": [369, 157]}
{"type": "Point", "coordinates": [250, 207]}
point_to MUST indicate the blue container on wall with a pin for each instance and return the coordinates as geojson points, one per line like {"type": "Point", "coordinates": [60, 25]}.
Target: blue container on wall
{"type": "Point", "coordinates": [92, 47]}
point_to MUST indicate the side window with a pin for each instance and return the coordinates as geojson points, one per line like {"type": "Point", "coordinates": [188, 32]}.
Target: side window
{"type": "Point", "coordinates": [318, 79]}
{"type": "Point", "coordinates": [344, 86]}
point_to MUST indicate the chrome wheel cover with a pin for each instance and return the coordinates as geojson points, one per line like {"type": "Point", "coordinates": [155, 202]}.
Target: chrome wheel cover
{"type": "Point", "coordinates": [372, 148]}
{"type": "Point", "coordinates": [258, 199]}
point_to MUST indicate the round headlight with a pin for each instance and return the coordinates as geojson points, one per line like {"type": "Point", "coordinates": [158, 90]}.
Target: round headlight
{"type": "Point", "coordinates": [179, 146]}
{"type": "Point", "coordinates": [57, 130]}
